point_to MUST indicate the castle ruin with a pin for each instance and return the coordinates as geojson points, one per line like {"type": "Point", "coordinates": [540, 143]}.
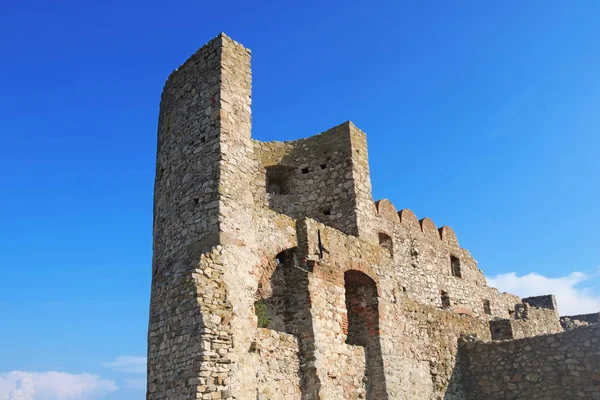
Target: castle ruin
{"type": "Point", "coordinates": [276, 276]}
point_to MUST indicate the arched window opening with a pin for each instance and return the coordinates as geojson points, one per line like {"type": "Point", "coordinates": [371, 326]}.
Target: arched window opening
{"type": "Point", "coordinates": [271, 305]}
{"type": "Point", "coordinates": [386, 242]}
{"type": "Point", "coordinates": [362, 308]}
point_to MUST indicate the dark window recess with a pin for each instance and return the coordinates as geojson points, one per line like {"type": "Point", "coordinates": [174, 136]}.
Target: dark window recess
{"type": "Point", "coordinates": [386, 242]}
{"type": "Point", "coordinates": [323, 166]}
{"type": "Point", "coordinates": [327, 211]}
{"type": "Point", "coordinates": [486, 307]}
{"type": "Point", "coordinates": [445, 299]}
{"type": "Point", "coordinates": [203, 139]}
{"type": "Point", "coordinates": [305, 170]}
{"type": "Point", "coordinates": [361, 307]}
{"type": "Point", "coordinates": [279, 178]}
{"type": "Point", "coordinates": [455, 266]}
{"type": "Point", "coordinates": [196, 201]}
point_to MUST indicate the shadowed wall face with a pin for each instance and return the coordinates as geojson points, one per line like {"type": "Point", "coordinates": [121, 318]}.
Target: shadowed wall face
{"type": "Point", "coordinates": [560, 366]}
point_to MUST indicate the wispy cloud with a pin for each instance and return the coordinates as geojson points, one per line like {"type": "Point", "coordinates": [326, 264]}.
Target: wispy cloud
{"type": "Point", "coordinates": [571, 297]}
{"type": "Point", "coordinates": [138, 384]}
{"type": "Point", "coordinates": [136, 365]}
{"type": "Point", "coordinates": [132, 365]}
{"type": "Point", "coordinates": [53, 385]}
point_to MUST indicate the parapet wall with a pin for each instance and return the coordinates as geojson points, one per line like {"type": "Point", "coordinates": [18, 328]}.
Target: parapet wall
{"type": "Point", "coordinates": [310, 177]}
{"type": "Point", "coordinates": [573, 321]}
{"type": "Point", "coordinates": [527, 321]}
{"type": "Point", "coordinates": [560, 366]}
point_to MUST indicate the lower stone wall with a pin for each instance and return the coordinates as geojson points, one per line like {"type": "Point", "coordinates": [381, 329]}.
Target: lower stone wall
{"type": "Point", "coordinates": [559, 366]}
{"type": "Point", "coordinates": [535, 321]}
{"type": "Point", "coordinates": [573, 321]}
{"type": "Point", "coordinates": [420, 345]}
{"type": "Point", "coordinates": [278, 369]}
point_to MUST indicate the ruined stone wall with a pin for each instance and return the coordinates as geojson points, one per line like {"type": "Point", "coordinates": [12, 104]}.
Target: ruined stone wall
{"type": "Point", "coordinates": [185, 322]}
{"type": "Point", "coordinates": [275, 275]}
{"type": "Point", "coordinates": [417, 343]}
{"type": "Point", "coordinates": [534, 321]}
{"type": "Point", "coordinates": [560, 366]}
{"type": "Point", "coordinates": [573, 321]}
{"type": "Point", "coordinates": [309, 177]}
{"type": "Point", "coordinates": [278, 365]}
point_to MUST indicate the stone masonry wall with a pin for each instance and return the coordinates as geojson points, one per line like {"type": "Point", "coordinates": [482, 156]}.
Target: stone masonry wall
{"type": "Point", "coordinates": [278, 375]}
{"type": "Point", "coordinates": [572, 321]}
{"type": "Point", "coordinates": [189, 310]}
{"type": "Point", "coordinates": [276, 275]}
{"type": "Point", "coordinates": [560, 366]}
{"type": "Point", "coordinates": [314, 175]}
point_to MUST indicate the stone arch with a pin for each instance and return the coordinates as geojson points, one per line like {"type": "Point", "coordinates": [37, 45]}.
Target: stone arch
{"type": "Point", "coordinates": [362, 307]}
{"type": "Point", "coordinates": [361, 327]}
{"type": "Point", "coordinates": [271, 297]}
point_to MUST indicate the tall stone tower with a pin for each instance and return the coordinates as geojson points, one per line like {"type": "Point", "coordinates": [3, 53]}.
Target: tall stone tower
{"type": "Point", "coordinates": [202, 205]}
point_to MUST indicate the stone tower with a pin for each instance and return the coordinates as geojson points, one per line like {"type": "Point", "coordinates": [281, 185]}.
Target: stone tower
{"type": "Point", "coordinates": [275, 276]}
{"type": "Point", "coordinates": [202, 205]}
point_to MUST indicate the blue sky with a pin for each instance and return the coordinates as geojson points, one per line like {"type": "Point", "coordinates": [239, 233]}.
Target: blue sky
{"type": "Point", "coordinates": [481, 115]}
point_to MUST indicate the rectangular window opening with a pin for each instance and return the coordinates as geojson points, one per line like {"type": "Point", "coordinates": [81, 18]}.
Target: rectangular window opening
{"type": "Point", "coordinates": [486, 307]}
{"type": "Point", "coordinates": [305, 170]}
{"type": "Point", "coordinates": [455, 266]}
{"type": "Point", "coordinates": [445, 299]}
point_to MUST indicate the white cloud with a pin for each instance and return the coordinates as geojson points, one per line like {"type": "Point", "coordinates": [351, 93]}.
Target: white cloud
{"type": "Point", "coordinates": [136, 365]}
{"type": "Point", "coordinates": [53, 385]}
{"type": "Point", "coordinates": [571, 298]}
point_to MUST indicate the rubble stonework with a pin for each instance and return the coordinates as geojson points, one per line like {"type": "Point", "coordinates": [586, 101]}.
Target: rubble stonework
{"type": "Point", "coordinates": [276, 276]}
{"type": "Point", "coordinates": [561, 366]}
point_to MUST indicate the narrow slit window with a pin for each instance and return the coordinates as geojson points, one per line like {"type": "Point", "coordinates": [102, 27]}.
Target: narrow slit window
{"type": "Point", "coordinates": [445, 299]}
{"type": "Point", "coordinates": [486, 307]}
{"type": "Point", "coordinates": [455, 266]}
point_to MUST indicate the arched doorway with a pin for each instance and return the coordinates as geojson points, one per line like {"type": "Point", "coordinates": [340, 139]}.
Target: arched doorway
{"type": "Point", "coordinates": [362, 307]}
